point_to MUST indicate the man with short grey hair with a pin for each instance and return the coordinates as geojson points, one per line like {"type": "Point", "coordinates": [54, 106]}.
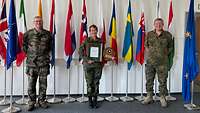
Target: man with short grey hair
{"type": "Point", "coordinates": [37, 46]}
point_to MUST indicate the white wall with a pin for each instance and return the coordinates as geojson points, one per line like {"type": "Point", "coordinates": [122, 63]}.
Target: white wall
{"type": "Point", "coordinates": [76, 73]}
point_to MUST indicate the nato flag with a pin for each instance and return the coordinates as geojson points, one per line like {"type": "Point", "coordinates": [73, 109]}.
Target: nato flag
{"type": "Point", "coordinates": [12, 46]}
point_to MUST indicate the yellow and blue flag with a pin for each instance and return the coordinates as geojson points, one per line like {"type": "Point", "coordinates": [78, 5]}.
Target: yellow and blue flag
{"type": "Point", "coordinates": [127, 52]}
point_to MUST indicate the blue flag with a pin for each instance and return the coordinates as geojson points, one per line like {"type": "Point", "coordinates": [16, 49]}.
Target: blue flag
{"type": "Point", "coordinates": [12, 45]}
{"type": "Point", "coordinates": [190, 63]}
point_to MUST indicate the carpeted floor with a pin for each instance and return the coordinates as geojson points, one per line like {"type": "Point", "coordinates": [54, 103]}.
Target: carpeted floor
{"type": "Point", "coordinates": [115, 107]}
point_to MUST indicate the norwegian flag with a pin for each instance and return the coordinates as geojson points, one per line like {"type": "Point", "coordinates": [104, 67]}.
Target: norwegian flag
{"type": "Point", "coordinates": [83, 28]}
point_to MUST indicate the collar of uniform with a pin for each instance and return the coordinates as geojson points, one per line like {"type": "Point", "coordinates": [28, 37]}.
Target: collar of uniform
{"type": "Point", "coordinates": [37, 32]}
{"type": "Point", "coordinates": [160, 33]}
{"type": "Point", "coordinates": [97, 38]}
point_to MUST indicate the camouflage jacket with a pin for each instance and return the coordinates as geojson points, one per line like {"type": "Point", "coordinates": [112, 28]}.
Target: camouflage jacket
{"type": "Point", "coordinates": [37, 46]}
{"type": "Point", "coordinates": [84, 53]}
{"type": "Point", "coordinates": [159, 47]}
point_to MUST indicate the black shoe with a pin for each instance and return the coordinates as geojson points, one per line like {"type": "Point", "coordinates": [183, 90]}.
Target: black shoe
{"type": "Point", "coordinates": [95, 102]}
{"type": "Point", "coordinates": [30, 107]}
{"type": "Point", "coordinates": [91, 105]}
{"type": "Point", "coordinates": [43, 105]}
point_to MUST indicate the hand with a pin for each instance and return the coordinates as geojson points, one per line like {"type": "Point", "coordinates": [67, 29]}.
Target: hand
{"type": "Point", "coordinates": [90, 61]}
{"type": "Point", "coordinates": [147, 50]}
{"type": "Point", "coordinates": [28, 75]}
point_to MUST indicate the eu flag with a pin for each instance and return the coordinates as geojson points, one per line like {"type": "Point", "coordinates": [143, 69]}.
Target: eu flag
{"type": "Point", "coordinates": [190, 63]}
{"type": "Point", "coordinates": [12, 46]}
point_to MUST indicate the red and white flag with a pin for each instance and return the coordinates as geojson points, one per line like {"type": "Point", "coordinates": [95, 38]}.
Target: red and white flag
{"type": "Point", "coordinates": [53, 32]}
{"type": "Point", "coordinates": [83, 28]}
{"type": "Point", "coordinates": [3, 30]}
{"type": "Point", "coordinates": [170, 17]}
{"type": "Point", "coordinates": [101, 25]}
{"type": "Point", "coordinates": [21, 30]}
{"type": "Point", "coordinates": [70, 38]}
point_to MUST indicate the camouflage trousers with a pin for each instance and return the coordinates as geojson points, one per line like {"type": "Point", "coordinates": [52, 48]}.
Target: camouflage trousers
{"type": "Point", "coordinates": [93, 76]}
{"type": "Point", "coordinates": [162, 73]}
{"type": "Point", "coordinates": [34, 73]}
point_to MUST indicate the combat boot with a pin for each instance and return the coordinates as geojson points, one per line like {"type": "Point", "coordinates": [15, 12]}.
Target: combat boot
{"type": "Point", "coordinates": [90, 102]}
{"type": "Point", "coordinates": [95, 102]}
{"type": "Point", "coordinates": [148, 99]}
{"type": "Point", "coordinates": [43, 105]}
{"type": "Point", "coordinates": [30, 107]}
{"type": "Point", "coordinates": [163, 101]}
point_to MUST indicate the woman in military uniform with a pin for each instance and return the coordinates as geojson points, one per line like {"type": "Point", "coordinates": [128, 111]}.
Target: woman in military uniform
{"type": "Point", "coordinates": [92, 66]}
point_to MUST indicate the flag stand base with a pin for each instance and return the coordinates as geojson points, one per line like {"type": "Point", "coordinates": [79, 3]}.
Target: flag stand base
{"type": "Point", "coordinates": [126, 98]}
{"type": "Point", "coordinates": [11, 109]}
{"type": "Point", "coordinates": [4, 102]}
{"type": "Point", "coordinates": [139, 98]}
{"type": "Point", "coordinates": [171, 98]}
{"type": "Point", "coordinates": [69, 99]}
{"type": "Point", "coordinates": [156, 98]}
{"type": "Point", "coordinates": [191, 107]}
{"type": "Point", "coordinates": [54, 100]}
{"type": "Point", "coordinates": [100, 98]}
{"type": "Point", "coordinates": [22, 101]}
{"type": "Point", "coordinates": [82, 99]}
{"type": "Point", "coordinates": [112, 98]}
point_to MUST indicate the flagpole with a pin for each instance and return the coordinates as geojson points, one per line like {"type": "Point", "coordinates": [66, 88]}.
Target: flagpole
{"type": "Point", "coordinates": [112, 98]}
{"type": "Point", "coordinates": [141, 97]}
{"type": "Point", "coordinates": [11, 108]}
{"type": "Point", "coordinates": [192, 106]}
{"type": "Point", "coordinates": [126, 98]}
{"type": "Point", "coordinates": [169, 97]}
{"type": "Point", "coordinates": [23, 100]}
{"type": "Point", "coordinates": [55, 99]}
{"type": "Point", "coordinates": [4, 101]}
{"type": "Point", "coordinates": [68, 98]}
{"type": "Point", "coordinates": [82, 98]}
{"type": "Point", "coordinates": [170, 18]}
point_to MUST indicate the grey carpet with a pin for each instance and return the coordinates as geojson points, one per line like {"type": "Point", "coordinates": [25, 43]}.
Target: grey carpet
{"type": "Point", "coordinates": [114, 107]}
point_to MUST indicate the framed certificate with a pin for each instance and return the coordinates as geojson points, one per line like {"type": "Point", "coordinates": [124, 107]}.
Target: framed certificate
{"type": "Point", "coordinates": [94, 51]}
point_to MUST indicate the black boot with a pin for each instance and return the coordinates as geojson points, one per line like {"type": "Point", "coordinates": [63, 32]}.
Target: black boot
{"type": "Point", "coordinates": [90, 102]}
{"type": "Point", "coordinates": [95, 102]}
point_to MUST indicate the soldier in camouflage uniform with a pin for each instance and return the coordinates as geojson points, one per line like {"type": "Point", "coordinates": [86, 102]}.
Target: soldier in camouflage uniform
{"type": "Point", "coordinates": [158, 45]}
{"type": "Point", "coordinates": [37, 46]}
{"type": "Point", "coordinates": [93, 69]}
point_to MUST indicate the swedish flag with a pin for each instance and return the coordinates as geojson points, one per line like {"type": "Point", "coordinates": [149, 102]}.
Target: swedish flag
{"type": "Point", "coordinates": [127, 52]}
